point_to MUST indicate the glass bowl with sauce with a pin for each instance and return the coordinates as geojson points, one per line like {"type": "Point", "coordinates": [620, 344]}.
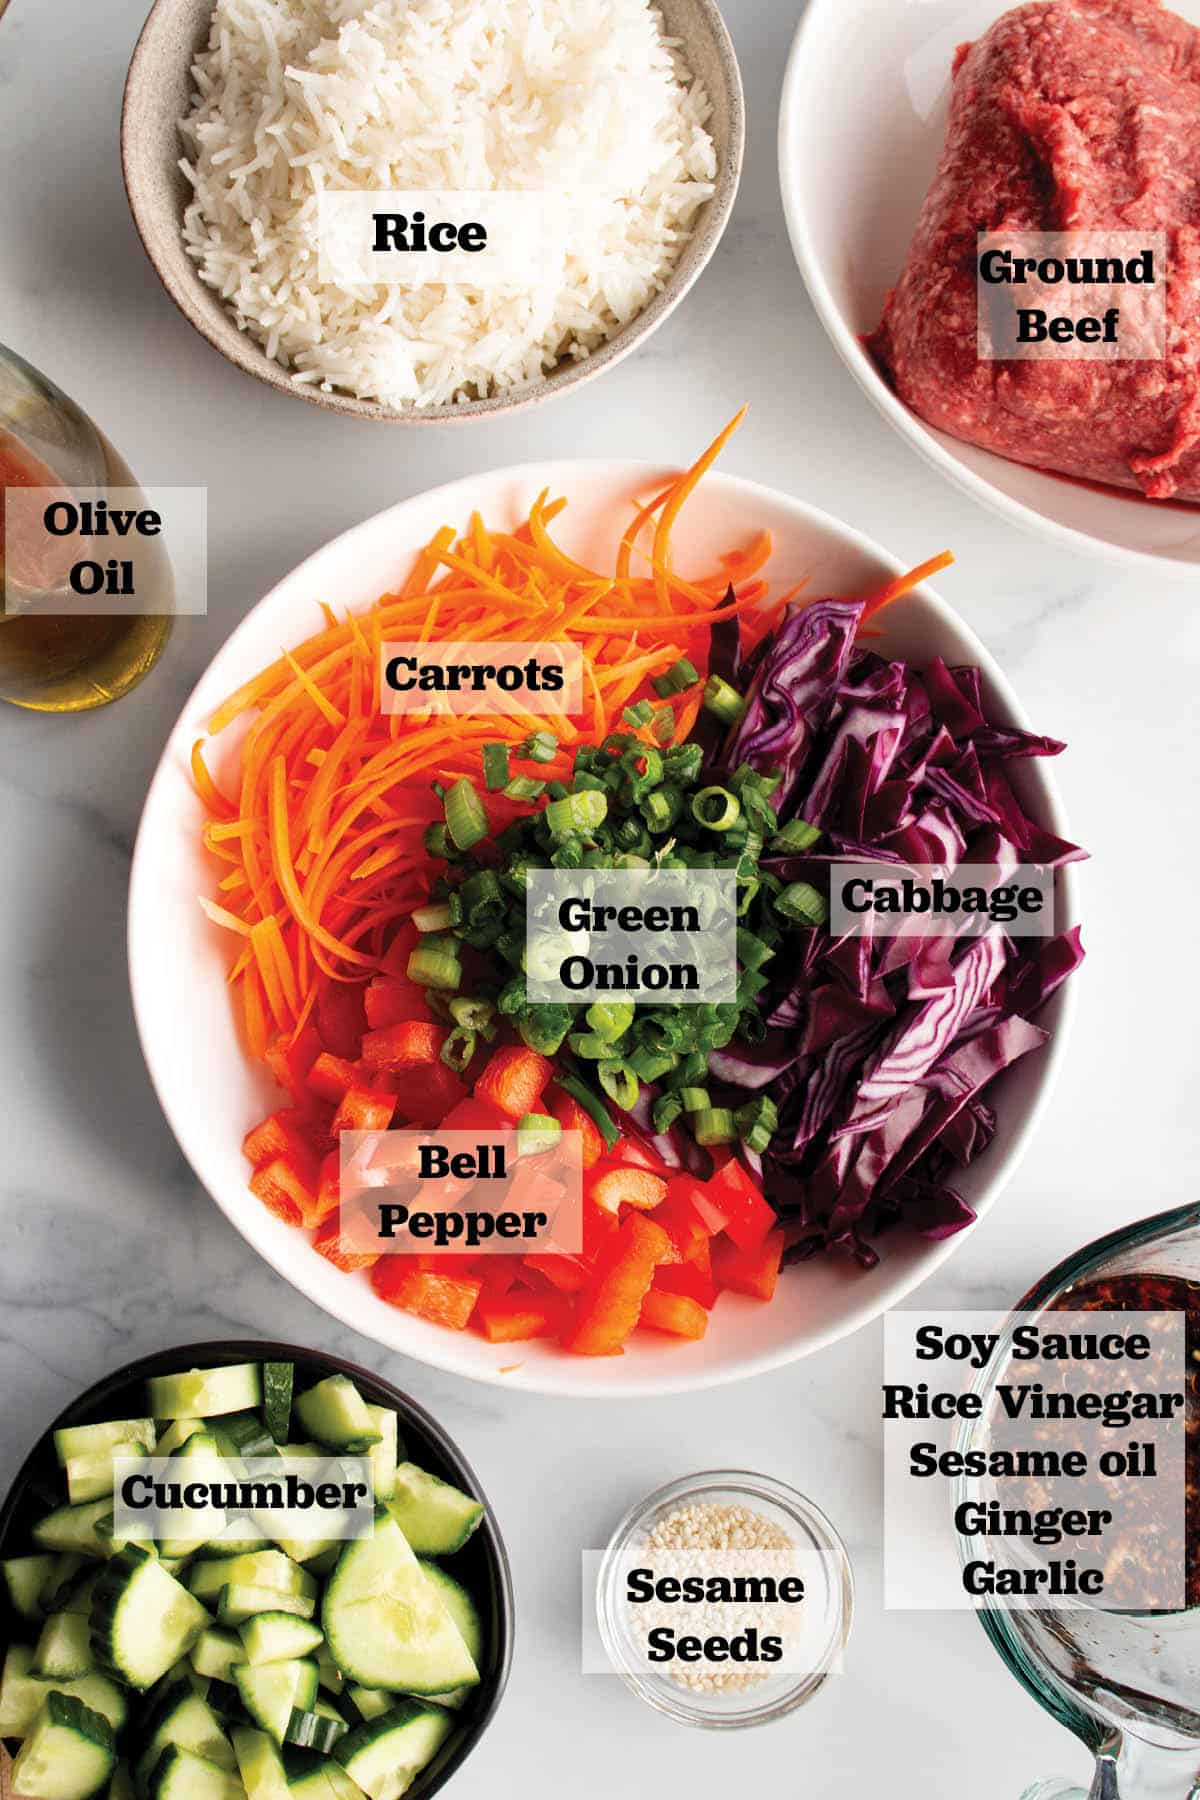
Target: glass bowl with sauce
{"type": "Point", "coordinates": [67, 659]}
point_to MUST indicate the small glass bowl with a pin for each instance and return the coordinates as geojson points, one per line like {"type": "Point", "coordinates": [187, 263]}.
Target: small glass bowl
{"type": "Point", "coordinates": [776, 1695]}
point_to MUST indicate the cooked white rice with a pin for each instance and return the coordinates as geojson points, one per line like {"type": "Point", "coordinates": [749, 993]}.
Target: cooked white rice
{"type": "Point", "coordinates": [296, 95]}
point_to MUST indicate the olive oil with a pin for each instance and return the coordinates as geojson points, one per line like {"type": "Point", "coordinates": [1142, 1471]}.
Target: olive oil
{"type": "Point", "coordinates": [71, 659]}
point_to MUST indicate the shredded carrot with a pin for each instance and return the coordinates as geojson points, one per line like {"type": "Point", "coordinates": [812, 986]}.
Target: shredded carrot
{"type": "Point", "coordinates": [904, 584]}
{"type": "Point", "coordinates": [321, 847]}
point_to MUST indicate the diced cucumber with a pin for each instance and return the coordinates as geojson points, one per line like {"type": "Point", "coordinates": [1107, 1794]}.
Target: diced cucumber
{"type": "Point", "coordinates": [317, 1554]}
{"type": "Point", "coordinates": [244, 1434]}
{"type": "Point", "coordinates": [269, 1637]}
{"type": "Point", "coordinates": [64, 1649]}
{"type": "Point", "coordinates": [73, 1528]}
{"type": "Point", "coordinates": [196, 1524]}
{"type": "Point", "coordinates": [309, 1779]}
{"type": "Point", "coordinates": [272, 1691]}
{"type": "Point", "coordinates": [240, 1601]}
{"type": "Point", "coordinates": [255, 1568]}
{"type": "Point", "coordinates": [437, 1519]}
{"type": "Point", "coordinates": [317, 1728]}
{"type": "Point", "coordinates": [177, 1434]}
{"type": "Point", "coordinates": [372, 1703]}
{"type": "Point", "coordinates": [68, 1754]}
{"type": "Point", "coordinates": [259, 1765]}
{"type": "Point", "coordinates": [143, 1620]}
{"type": "Point", "coordinates": [335, 1413]}
{"type": "Point", "coordinates": [22, 1694]}
{"type": "Point", "coordinates": [385, 1756]}
{"type": "Point", "coordinates": [181, 1775]}
{"type": "Point", "coordinates": [385, 1624]}
{"type": "Point", "coordinates": [205, 1393]}
{"type": "Point", "coordinates": [92, 1473]}
{"type": "Point", "coordinates": [215, 1652]}
{"type": "Point", "coordinates": [278, 1379]}
{"type": "Point", "coordinates": [182, 1717]}
{"type": "Point", "coordinates": [331, 1675]}
{"type": "Point", "coordinates": [25, 1579]}
{"type": "Point", "coordinates": [465, 1613]}
{"type": "Point", "coordinates": [385, 1455]}
{"type": "Point", "coordinates": [90, 1440]}
{"type": "Point", "coordinates": [71, 1575]}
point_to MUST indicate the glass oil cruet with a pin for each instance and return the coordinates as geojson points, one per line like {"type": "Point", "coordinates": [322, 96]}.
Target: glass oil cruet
{"type": "Point", "coordinates": [1126, 1683]}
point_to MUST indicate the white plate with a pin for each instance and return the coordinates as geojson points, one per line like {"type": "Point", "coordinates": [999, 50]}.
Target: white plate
{"type": "Point", "coordinates": [860, 135]}
{"type": "Point", "coordinates": [212, 1094]}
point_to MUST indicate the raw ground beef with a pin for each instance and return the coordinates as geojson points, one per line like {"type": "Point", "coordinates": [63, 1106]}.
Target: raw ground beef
{"type": "Point", "coordinates": [1068, 115]}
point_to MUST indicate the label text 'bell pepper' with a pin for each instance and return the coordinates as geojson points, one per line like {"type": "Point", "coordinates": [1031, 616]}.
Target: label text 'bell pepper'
{"type": "Point", "coordinates": [463, 1193]}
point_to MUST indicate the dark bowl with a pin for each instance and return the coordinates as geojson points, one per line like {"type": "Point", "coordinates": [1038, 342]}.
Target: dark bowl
{"type": "Point", "coordinates": [482, 1565]}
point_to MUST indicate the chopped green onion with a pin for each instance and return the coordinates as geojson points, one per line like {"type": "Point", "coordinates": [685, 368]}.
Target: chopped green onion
{"type": "Point", "coordinates": [679, 677]}
{"type": "Point", "coordinates": [619, 1083]}
{"type": "Point", "coordinates": [557, 790]}
{"type": "Point", "coordinates": [543, 1028]}
{"type": "Point", "coordinates": [524, 787]}
{"type": "Point", "coordinates": [513, 1000]}
{"type": "Point", "coordinates": [801, 902]}
{"type": "Point", "coordinates": [796, 835]}
{"type": "Point", "coordinates": [610, 1019]}
{"type": "Point", "coordinates": [757, 1122]}
{"type": "Point", "coordinates": [495, 767]}
{"type": "Point", "coordinates": [746, 779]}
{"type": "Point", "coordinates": [694, 1099]}
{"type": "Point", "coordinates": [474, 1015]}
{"type": "Point", "coordinates": [482, 899]}
{"type": "Point", "coordinates": [437, 841]}
{"type": "Point", "coordinates": [458, 1049]}
{"type": "Point", "coordinates": [683, 764]}
{"type": "Point", "coordinates": [715, 1126]}
{"type": "Point", "coordinates": [642, 766]}
{"type": "Point", "coordinates": [724, 701]}
{"type": "Point", "coordinates": [542, 747]}
{"type": "Point", "coordinates": [752, 952]}
{"type": "Point", "coordinates": [666, 1110]}
{"type": "Point", "coordinates": [435, 964]}
{"type": "Point", "coordinates": [638, 715]}
{"type": "Point", "coordinates": [466, 820]}
{"type": "Point", "coordinates": [661, 808]}
{"type": "Point", "coordinates": [716, 808]}
{"type": "Point", "coordinates": [750, 984]}
{"type": "Point", "coordinates": [591, 1046]}
{"type": "Point", "coordinates": [592, 1105]}
{"type": "Point", "coordinates": [537, 1132]}
{"type": "Point", "coordinates": [651, 1065]}
{"type": "Point", "coordinates": [433, 918]}
{"type": "Point", "coordinates": [576, 812]}
{"type": "Point", "coordinates": [662, 725]}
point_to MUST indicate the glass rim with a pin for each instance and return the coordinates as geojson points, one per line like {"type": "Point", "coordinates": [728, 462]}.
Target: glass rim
{"type": "Point", "coordinates": [657, 1691]}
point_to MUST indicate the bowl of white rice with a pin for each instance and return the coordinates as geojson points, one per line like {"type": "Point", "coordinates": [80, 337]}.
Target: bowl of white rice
{"type": "Point", "coordinates": [613, 128]}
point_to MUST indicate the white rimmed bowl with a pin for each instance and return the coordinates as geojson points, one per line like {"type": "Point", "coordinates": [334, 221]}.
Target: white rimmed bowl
{"type": "Point", "coordinates": [860, 134]}
{"type": "Point", "coordinates": [212, 1094]}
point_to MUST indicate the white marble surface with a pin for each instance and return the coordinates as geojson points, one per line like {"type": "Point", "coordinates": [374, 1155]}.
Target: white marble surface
{"type": "Point", "coordinates": [112, 1250]}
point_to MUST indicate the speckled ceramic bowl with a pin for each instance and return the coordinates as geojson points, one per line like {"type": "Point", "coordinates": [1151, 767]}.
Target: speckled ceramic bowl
{"type": "Point", "coordinates": [158, 94]}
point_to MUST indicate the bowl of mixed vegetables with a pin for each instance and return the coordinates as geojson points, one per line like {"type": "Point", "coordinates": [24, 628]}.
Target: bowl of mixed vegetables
{"type": "Point", "coordinates": [227, 1664]}
{"type": "Point", "coordinates": [335, 899]}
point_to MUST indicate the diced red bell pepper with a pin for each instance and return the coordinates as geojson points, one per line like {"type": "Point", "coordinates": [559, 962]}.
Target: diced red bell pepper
{"type": "Point", "coordinates": [444, 1262]}
{"type": "Point", "coordinates": [572, 1117]}
{"type": "Point", "coordinates": [514, 1080]}
{"type": "Point", "coordinates": [341, 1017]}
{"type": "Point", "coordinates": [363, 1110]}
{"type": "Point", "coordinates": [329, 1185]}
{"type": "Point", "coordinates": [610, 1308]}
{"type": "Point", "coordinates": [338, 1250]}
{"type": "Point", "coordinates": [500, 1275]}
{"type": "Point", "coordinates": [424, 1095]}
{"type": "Point", "coordinates": [476, 1115]}
{"type": "Point", "coordinates": [754, 1271]}
{"type": "Point", "coordinates": [692, 1274]}
{"type": "Point", "coordinates": [737, 1197]}
{"type": "Point", "coordinates": [411, 1044]}
{"type": "Point", "coordinates": [442, 1299]}
{"type": "Point", "coordinates": [290, 1062]}
{"type": "Point", "coordinates": [332, 1076]}
{"type": "Point", "coordinates": [391, 1002]}
{"type": "Point", "coordinates": [675, 1313]}
{"type": "Point", "coordinates": [680, 1216]}
{"type": "Point", "coordinates": [282, 1134]}
{"type": "Point", "coordinates": [633, 1153]}
{"type": "Point", "coordinates": [562, 1272]}
{"type": "Point", "coordinates": [514, 1318]}
{"type": "Point", "coordinates": [611, 1189]}
{"type": "Point", "coordinates": [289, 1187]}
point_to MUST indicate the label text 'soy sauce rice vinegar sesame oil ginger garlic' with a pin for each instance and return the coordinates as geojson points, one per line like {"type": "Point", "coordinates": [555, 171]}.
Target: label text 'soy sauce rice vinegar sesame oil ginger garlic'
{"type": "Point", "coordinates": [725, 1599]}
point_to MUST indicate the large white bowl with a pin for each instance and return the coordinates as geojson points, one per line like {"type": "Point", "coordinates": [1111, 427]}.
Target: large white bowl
{"type": "Point", "coordinates": [212, 1094]}
{"type": "Point", "coordinates": [860, 134]}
